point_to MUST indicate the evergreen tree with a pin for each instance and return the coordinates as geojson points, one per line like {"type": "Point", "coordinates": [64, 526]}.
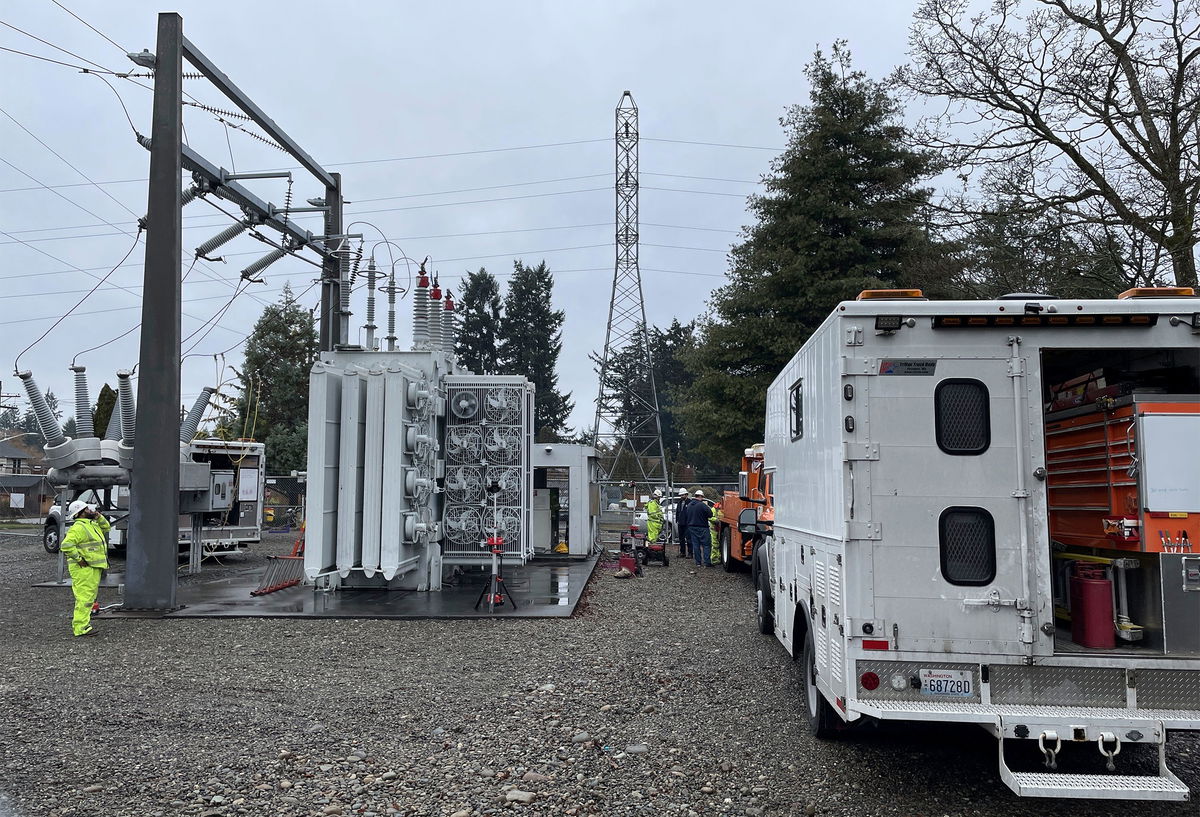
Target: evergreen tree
{"type": "Point", "coordinates": [273, 406]}
{"type": "Point", "coordinates": [106, 400]}
{"type": "Point", "coordinates": [479, 323]}
{"type": "Point", "coordinates": [530, 343]}
{"type": "Point", "coordinates": [10, 419]}
{"type": "Point", "coordinates": [840, 213]}
{"type": "Point", "coordinates": [70, 428]}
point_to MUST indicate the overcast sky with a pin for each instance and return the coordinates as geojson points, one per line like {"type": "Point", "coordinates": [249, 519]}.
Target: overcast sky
{"type": "Point", "coordinates": [523, 92]}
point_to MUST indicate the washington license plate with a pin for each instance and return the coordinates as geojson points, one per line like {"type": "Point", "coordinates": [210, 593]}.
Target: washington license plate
{"type": "Point", "coordinates": [947, 683]}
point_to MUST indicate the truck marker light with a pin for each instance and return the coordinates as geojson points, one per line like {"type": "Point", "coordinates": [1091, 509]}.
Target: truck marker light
{"type": "Point", "coordinates": [1005, 321]}
{"type": "Point", "coordinates": [875, 644]}
{"type": "Point", "coordinates": [1112, 319]}
{"type": "Point", "coordinates": [1085, 319]}
{"type": "Point", "coordinates": [869, 681]}
{"type": "Point", "coordinates": [977, 321]}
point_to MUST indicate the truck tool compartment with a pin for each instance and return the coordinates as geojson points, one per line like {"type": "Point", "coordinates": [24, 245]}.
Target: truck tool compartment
{"type": "Point", "coordinates": [986, 512]}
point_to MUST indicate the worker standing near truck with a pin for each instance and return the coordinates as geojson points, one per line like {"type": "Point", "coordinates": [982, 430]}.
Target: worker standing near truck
{"type": "Point", "coordinates": [714, 529]}
{"type": "Point", "coordinates": [654, 517]}
{"type": "Point", "coordinates": [698, 516]}
{"type": "Point", "coordinates": [85, 549]}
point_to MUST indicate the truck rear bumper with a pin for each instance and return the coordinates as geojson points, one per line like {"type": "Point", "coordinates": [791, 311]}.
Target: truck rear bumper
{"type": "Point", "coordinates": [1008, 717]}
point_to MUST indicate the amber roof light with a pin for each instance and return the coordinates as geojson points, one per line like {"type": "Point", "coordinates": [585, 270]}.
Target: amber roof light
{"type": "Point", "coordinates": [888, 294]}
{"type": "Point", "coordinates": [1157, 292]}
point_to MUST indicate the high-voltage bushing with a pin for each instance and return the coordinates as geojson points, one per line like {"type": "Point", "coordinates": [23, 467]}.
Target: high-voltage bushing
{"type": "Point", "coordinates": [46, 420]}
{"type": "Point", "coordinates": [449, 333]}
{"type": "Point", "coordinates": [435, 316]}
{"type": "Point", "coordinates": [83, 404]}
{"type": "Point", "coordinates": [128, 406]}
{"type": "Point", "coordinates": [188, 428]}
{"type": "Point", "coordinates": [421, 311]}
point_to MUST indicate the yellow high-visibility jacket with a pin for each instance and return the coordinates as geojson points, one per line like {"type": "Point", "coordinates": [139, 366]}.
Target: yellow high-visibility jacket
{"type": "Point", "coordinates": [87, 542]}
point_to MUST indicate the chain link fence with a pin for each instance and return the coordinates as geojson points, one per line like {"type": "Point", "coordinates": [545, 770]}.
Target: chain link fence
{"type": "Point", "coordinates": [283, 502]}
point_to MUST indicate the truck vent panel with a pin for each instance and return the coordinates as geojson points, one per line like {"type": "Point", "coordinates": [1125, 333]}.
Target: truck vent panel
{"type": "Point", "coordinates": [962, 420]}
{"type": "Point", "coordinates": [967, 538]}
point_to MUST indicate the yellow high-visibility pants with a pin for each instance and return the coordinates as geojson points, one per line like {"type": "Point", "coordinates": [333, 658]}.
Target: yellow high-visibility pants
{"type": "Point", "coordinates": [85, 584]}
{"type": "Point", "coordinates": [715, 555]}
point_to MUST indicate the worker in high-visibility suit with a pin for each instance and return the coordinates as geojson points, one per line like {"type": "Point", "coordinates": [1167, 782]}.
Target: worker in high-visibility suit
{"type": "Point", "coordinates": [714, 527]}
{"type": "Point", "coordinates": [85, 549]}
{"type": "Point", "coordinates": [654, 518]}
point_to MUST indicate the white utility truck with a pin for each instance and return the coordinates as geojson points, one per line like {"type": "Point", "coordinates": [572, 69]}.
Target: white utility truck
{"type": "Point", "coordinates": [985, 513]}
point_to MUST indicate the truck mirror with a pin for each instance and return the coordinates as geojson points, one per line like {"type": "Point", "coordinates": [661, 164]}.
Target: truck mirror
{"type": "Point", "coordinates": [747, 520]}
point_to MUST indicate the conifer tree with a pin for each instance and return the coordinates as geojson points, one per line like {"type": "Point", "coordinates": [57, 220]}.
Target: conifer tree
{"type": "Point", "coordinates": [530, 343]}
{"type": "Point", "coordinates": [839, 214]}
{"type": "Point", "coordinates": [479, 329]}
{"type": "Point", "coordinates": [273, 406]}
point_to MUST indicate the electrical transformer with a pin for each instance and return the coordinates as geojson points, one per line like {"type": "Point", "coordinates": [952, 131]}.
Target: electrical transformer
{"type": "Point", "coordinates": [412, 462]}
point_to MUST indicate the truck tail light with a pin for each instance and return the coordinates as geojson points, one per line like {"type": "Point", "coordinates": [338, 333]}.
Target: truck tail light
{"type": "Point", "coordinates": [869, 681]}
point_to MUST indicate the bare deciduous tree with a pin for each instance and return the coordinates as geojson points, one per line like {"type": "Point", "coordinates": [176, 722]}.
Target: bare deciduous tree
{"type": "Point", "coordinates": [1090, 109]}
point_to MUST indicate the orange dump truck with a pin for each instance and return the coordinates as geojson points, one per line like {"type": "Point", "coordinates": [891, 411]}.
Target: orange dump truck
{"type": "Point", "coordinates": [754, 491]}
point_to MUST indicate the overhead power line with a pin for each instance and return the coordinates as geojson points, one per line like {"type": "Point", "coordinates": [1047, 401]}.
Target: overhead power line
{"type": "Point", "coordinates": [89, 25]}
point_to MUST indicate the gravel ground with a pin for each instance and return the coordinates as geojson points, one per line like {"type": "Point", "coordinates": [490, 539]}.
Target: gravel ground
{"type": "Point", "coordinates": [657, 698]}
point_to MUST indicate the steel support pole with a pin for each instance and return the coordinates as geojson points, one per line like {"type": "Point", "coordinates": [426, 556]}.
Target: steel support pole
{"type": "Point", "coordinates": [154, 493]}
{"type": "Point", "coordinates": [331, 271]}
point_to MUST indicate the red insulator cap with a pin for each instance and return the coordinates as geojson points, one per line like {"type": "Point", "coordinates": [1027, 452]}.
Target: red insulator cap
{"type": "Point", "coordinates": [436, 292]}
{"type": "Point", "coordinates": [423, 280]}
{"type": "Point", "coordinates": [449, 301]}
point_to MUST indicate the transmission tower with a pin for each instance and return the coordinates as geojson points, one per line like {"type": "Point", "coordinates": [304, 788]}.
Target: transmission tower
{"type": "Point", "coordinates": [627, 431]}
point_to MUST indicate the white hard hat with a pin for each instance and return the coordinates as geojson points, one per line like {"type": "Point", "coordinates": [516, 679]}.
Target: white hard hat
{"type": "Point", "coordinates": [77, 507]}
{"type": "Point", "coordinates": [698, 492]}
{"type": "Point", "coordinates": [683, 491]}
{"type": "Point", "coordinates": [657, 492]}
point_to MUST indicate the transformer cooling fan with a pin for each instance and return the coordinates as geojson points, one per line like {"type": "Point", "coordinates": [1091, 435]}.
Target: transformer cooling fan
{"type": "Point", "coordinates": [465, 405]}
{"type": "Point", "coordinates": [502, 405]}
{"type": "Point", "coordinates": [463, 445]}
{"type": "Point", "coordinates": [462, 526]}
{"type": "Point", "coordinates": [464, 485]}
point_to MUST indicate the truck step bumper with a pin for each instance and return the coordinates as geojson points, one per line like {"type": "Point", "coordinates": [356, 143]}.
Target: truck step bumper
{"type": "Point", "coordinates": [1163, 786]}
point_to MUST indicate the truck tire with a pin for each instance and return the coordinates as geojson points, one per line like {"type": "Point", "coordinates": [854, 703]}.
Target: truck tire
{"type": "Point", "coordinates": [823, 722]}
{"type": "Point", "coordinates": [765, 613]}
{"type": "Point", "coordinates": [727, 560]}
{"type": "Point", "coordinates": [50, 538]}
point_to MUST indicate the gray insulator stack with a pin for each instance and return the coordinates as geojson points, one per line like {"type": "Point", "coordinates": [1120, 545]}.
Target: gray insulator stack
{"type": "Point", "coordinates": [391, 293]}
{"type": "Point", "coordinates": [346, 283]}
{"type": "Point", "coordinates": [187, 429]}
{"type": "Point", "coordinates": [262, 263]}
{"type": "Point", "coordinates": [83, 404]}
{"type": "Point", "coordinates": [370, 324]}
{"type": "Point", "coordinates": [51, 430]}
{"type": "Point", "coordinates": [128, 409]}
{"type": "Point", "coordinates": [113, 432]}
{"type": "Point", "coordinates": [435, 321]}
{"type": "Point", "coordinates": [224, 237]}
{"type": "Point", "coordinates": [421, 314]}
{"type": "Point", "coordinates": [449, 326]}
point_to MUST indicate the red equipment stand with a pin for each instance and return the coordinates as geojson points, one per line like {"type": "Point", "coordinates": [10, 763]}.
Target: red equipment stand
{"type": "Point", "coordinates": [494, 589]}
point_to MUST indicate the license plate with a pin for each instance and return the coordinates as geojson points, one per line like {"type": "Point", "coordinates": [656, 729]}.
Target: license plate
{"type": "Point", "coordinates": [947, 683]}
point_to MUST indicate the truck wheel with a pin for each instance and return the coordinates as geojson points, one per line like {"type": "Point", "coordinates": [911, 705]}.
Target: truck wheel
{"type": "Point", "coordinates": [766, 616]}
{"type": "Point", "coordinates": [50, 539]}
{"type": "Point", "coordinates": [823, 722]}
{"type": "Point", "coordinates": [727, 560]}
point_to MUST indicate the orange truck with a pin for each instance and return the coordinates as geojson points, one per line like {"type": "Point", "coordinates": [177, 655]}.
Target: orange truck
{"type": "Point", "coordinates": [754, 491]}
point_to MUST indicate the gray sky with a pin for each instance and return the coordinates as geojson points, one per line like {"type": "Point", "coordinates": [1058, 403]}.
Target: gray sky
{"type": "Point", "coordinates": [400, 82]}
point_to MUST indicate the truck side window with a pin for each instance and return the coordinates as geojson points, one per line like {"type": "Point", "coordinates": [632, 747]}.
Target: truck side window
{"type": "Point", "coordinates": [967, 540]}
{"type": "Point", "coordinates": [796, 409]}
{"type": "Point", "coordinates": [961, 416]}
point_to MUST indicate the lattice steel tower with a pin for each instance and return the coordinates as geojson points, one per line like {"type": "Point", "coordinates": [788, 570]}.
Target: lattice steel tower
{"type": "Point", "coordinates": [628, 431]}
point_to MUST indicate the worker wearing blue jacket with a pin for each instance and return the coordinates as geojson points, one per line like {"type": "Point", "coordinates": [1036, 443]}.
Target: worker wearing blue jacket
{"type": "Point", "coordinates": [698, 514]}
